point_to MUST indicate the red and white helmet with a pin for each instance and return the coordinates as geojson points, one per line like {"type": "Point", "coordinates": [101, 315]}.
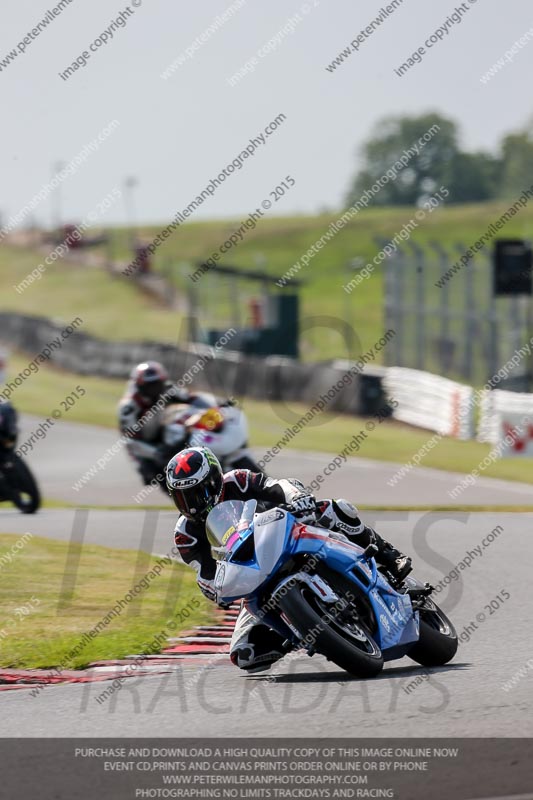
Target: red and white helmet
{"type": "Point", "coordinates": [149, 380]}
{"type": "Point", "coordinates": [195, 481]}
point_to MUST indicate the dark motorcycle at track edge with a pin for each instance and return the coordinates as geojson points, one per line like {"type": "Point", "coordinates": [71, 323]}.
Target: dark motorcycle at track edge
{"type": "Point", "coordinates": [17, 483]}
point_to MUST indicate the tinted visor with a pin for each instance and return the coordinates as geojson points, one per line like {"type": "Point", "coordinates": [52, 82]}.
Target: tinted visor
{"type": "Point", "coordinates": [152, 390]}
{"type": "Point", "coordinates": [197, 501]}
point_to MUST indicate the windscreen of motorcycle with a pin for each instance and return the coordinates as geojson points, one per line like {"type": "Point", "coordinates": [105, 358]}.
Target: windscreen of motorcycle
{"type": "Point", "coordinates": [236, 579]}
{"type": "Point", "coordinates": [227, 523]}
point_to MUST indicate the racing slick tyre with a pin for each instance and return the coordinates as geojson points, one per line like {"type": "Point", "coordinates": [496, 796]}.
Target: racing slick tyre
{"type": "Point", "coordinates": [437, 643]}
{"type": "Point", "coordinates": [339, 636]}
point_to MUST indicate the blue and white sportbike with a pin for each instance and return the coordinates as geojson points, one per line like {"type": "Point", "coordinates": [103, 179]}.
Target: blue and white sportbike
{"type": "Point", "coordinates": [323, 593]}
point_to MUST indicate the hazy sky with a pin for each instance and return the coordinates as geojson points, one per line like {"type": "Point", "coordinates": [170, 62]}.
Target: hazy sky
{"type": "Point", "coordinates": [176, 134]}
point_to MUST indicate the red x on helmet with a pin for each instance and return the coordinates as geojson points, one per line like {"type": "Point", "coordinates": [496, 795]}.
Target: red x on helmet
{"type": "Point", "coordinates": [149, 379]}
{"type": "Point", "coordinates": [195, 481]}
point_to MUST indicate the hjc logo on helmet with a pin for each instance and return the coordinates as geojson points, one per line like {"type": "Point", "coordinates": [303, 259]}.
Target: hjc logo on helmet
{"type": "Point", "coordinates": [181, 484]}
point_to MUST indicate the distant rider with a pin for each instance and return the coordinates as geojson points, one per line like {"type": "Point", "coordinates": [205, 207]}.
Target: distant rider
{"type": "Point", "coordinates": [148, 392]}
{"type": "Point", "coordinates": [196, 484]}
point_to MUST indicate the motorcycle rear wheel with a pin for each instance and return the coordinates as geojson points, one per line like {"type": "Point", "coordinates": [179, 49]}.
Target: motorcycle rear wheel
{"type": "Point", "coordinates": [345, 642]}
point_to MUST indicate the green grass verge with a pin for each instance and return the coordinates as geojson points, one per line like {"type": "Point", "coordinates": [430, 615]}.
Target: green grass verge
{"type": "Point", "coordinates": [523, 509]}
{"type": "Point", "coordinates": [110, 308]}
{"type": "Point", "coordinates": [390, 441]}
{"type": "Point", "coordinates": [35, 633]}
{"type": "Point", "coordinates": [114, 308]}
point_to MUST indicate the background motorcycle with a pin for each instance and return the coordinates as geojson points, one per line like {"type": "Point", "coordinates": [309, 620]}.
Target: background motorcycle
{"type": "Point", "coordinates": [202, 422]}
{"type": "Point", "coordinates": [17, 483]}
{"type": "Point", "coordinates": [323, 593]}
{"type": "Point", "coordinates": [221, 428]}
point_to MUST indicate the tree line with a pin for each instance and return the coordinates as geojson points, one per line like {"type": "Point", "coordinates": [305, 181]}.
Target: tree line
{"type": "Point", "coordinates": [469, 176]}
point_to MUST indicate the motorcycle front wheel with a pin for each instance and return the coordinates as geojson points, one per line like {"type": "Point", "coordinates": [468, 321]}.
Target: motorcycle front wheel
{"type": "Point", "coordinates": [23, 486]}
{"type": "Point", "coordinates": [339, 636]}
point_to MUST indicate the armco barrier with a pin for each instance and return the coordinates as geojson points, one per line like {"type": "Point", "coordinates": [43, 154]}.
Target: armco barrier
{"type": "Point", "coordinates": [430, 401]}
{"type": "Point", "coordinates": [230, 373]}
{"type": "Point", "coordinates": [496, 402]}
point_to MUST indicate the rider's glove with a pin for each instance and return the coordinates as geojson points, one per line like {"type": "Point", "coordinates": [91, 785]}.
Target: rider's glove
{"type": "Point", "coordinates": [304, 508]}
{"type": "Point", "coordinates": [207, 588]}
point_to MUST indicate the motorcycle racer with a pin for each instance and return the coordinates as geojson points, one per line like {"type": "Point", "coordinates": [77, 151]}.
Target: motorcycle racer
{"type": "Point", "coordinates": [148, 392]}
{"type": "Point", "coordinates": [196, 483]}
